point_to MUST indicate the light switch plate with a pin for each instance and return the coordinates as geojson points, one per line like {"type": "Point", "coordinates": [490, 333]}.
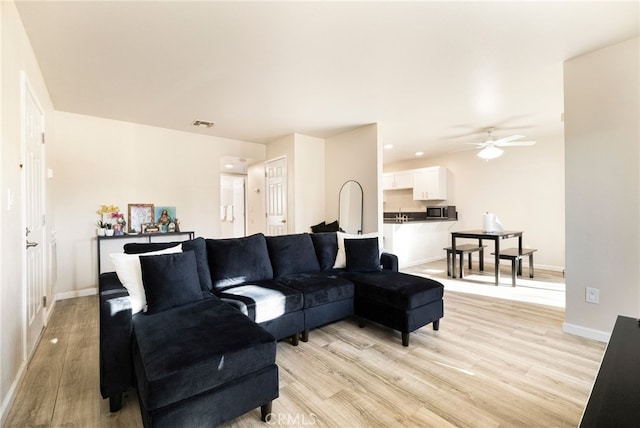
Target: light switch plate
{"type": "Point", "coordinates": [592, 295]}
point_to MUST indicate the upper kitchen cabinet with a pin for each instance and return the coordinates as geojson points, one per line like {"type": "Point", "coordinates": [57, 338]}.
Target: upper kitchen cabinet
{"type": "Point", "coordinates": [430, 183]}
{"type": "Point", "coordinates": [397, 180]}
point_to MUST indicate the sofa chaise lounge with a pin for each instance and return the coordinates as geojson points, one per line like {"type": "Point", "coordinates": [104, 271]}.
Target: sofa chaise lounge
{"type": "Point", "coordinates": [204, 351]}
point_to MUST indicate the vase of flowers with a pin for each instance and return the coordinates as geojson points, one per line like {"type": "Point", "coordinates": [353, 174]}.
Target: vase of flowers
{"type": "Point", "coordinates": [101, 230]}
{"type": "Point", "coordinates": [105, 223]}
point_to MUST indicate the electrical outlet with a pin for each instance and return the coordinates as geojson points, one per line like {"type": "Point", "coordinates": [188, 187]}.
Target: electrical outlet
{"type": "Point", "coordinates": [592, 295]}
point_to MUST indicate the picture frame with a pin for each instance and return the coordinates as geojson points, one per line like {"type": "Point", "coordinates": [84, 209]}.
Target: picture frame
{"type": "Point", "coordinates": [165, 217]}
{"type": "Point", "coordinates": [139, 215]}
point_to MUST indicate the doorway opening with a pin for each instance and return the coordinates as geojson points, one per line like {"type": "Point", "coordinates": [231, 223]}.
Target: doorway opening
{"type": "Point", "coordinates": [233, 196]}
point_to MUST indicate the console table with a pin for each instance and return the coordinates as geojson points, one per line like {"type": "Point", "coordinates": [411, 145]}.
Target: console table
{"type": "Point", "coordinates": [614, 397]}
{"type": "Point", "coordinates": [115, 244]}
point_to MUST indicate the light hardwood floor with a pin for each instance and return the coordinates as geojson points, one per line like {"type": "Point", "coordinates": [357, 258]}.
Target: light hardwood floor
{"type": "Point", "coordinates": [494, 362]}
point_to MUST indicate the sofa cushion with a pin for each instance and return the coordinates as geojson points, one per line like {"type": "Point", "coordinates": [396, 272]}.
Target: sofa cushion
{"type": "Point", "coordinates": [170, 280]}
{"type": "Point", "coordinates": [238, 260]}
{"type": "Point", "coordinates": [197, 245]}
{"type": "Point", "coordinates": [341, 257]}
{"type": "Point", "coordinates": [190, 349]}
{"type": "Point", "coordinates": [130, 275]}
{"type": "Point", "coordinates": [147, 247]}
{"type": "Point", "coordinates": [318, 227]}
{"type": "Point", "coordinates": [292, 254]}
{"type": "Point", "coordinates": [396, 289]}
{"type": "Point", "coordinates": [363, 255]}
{"type": "Point", "coordinates": [325, 227]}
{"type": "Point", "coordinates": [326, 247]}
{"type": "Point", "coordinates": [319, 288]}
{"type": "Point", "coordinates": [262, 300]}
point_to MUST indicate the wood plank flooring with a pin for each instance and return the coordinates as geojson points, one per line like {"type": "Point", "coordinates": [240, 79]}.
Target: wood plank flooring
{"type": "Point", "coordinates": [493, 363]}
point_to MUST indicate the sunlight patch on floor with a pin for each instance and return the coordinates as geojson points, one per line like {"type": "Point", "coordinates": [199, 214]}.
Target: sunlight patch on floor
{"type": "Point", "coordinates": [526, 290]}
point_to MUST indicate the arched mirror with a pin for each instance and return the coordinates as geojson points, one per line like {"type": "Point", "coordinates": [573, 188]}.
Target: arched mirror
{"type": "Point", "coordinates": [350, 214]}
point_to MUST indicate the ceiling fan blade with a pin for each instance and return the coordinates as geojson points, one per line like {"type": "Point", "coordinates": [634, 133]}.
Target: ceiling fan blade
{"type": "Point", "coordinates": [516, 143]}
{"type": "Point", "coordinates": [500, 141]}
{"type": "Point", "coordinates": [467, 148]}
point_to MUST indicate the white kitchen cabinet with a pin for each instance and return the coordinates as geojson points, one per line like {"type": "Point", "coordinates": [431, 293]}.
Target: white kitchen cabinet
{"type": "Point", "coordinates": [397, 180]}
{"type": "Point", "coordinates": [430, 183]}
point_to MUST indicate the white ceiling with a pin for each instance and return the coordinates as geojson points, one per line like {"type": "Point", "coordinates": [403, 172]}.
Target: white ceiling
{"type": "Point", "coordinates": [431, 74]}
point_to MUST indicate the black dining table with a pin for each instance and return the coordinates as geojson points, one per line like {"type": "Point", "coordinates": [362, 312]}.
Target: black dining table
{"type": "Point", "coordinates": [481, 235]}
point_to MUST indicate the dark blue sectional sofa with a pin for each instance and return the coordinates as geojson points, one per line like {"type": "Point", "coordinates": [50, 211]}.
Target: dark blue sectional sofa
{"type": "Point", "coordinates": [204, 352]}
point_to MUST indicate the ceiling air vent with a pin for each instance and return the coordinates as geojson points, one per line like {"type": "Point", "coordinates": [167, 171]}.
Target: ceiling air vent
{"type": "Point", "coordinates": [202, 124]}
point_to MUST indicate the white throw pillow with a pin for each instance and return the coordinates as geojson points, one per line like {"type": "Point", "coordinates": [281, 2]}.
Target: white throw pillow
{"type": "Point", "coordinates": [341, 257]}
{"type": "Point", "coordinates": [130, 275]}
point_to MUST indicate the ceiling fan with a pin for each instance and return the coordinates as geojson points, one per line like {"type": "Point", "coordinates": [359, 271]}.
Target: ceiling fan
{"type": "Point", "coordinates": [491, 148]}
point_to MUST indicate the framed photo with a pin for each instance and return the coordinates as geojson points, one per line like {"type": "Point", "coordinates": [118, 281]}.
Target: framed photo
{"type": "Point", "coordinates": [165, 217]}
{"type": "Point", "coordinates": [140, 214]}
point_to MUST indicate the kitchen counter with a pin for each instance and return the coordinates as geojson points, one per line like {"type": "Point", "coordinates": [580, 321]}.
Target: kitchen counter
{"type": "Point", "coordinates": [417, 220]}
{"type": "Point", "coordinates": [417, 241]}
{"type": "Point", "coordinates": [411, 217]}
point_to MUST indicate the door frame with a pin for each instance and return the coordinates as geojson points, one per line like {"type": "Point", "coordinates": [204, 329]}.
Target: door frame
{"type": "Point", "coordinates": [27, 88]}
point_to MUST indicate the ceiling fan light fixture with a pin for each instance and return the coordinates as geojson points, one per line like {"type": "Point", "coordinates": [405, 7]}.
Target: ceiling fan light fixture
{"type": "Point", "coordinates": [490, 152]}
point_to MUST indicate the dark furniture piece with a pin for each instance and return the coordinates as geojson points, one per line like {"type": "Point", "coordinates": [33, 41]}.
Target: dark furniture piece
{"type": "Point", "coordinates": [202, 370]}
{"type": "Point", "coordinates": [514, 255]}
{"type": "Point", "coordinates": [140, 238]}
{"type": "Point", "coordinates": [614, 397]}
{"type": "Point", "coordinates": [397, 300]}
{"type": "Point", "coordinates": [481, 235]}
{"type": "Point", "coordinates": [212, 358]}
{"type": "Point", "coordinates": [461, 250]}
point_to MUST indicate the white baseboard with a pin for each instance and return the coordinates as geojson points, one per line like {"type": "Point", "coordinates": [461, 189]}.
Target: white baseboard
{"type": "Point", "coordinates": [8, 400]}
{"type": "Point", "coordinates": [548, 267]}
{"type": "Point", "coordinates": [11, 393]}
{"type": "Point", "coordinates": [589, 333]}
{"type": "Point", "coordinates": [78, 293]}
{"type": "Point", "coordinates": [419, 262]}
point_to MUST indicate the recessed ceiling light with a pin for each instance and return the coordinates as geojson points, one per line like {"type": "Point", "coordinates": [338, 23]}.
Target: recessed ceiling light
{"type": "Point", "coordinates": [388, 146]}
{"type": "Point", "coordinates": [419, 153]}
{"type": "Point", "coordinates": [228, 166]}
{"type": "Point", "coordinates": [202, 124]}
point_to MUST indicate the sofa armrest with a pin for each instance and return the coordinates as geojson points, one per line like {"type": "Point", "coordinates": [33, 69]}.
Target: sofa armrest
{"type": "Point", "coordinates": [389, 262]}
{"type": "Point", "coordinates": [116, 329]}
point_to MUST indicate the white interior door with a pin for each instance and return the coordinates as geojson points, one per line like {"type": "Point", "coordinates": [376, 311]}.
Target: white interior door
{"type": "Point", "coordinates": [34, 218]}
{"type": "Point", "coordinates": [232, 206]}
{"type": "Point", "coordinates": [276, 183]}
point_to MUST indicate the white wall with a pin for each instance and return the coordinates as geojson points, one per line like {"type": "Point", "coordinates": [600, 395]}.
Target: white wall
{"type": "Point", "coordinates": [16, 57]}
{"type": "Point", "coordinates": [602, 117]}
{"type": "Point", "coordinates": [104, 161]}
{"type": "Point", "coordinates": [309, 182]}
{"type": "Point", "coordinates": [305, 179]}
{"type": "Point", "coordinates": [256, 207]}
{"type": "Point", "coordinates": [355, 155]}
{"type": "Point", "coordinates": [524, 187]}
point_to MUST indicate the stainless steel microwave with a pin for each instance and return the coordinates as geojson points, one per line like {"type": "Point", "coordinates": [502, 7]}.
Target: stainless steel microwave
{"type": "Point", "coordinates": [444, 212]}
